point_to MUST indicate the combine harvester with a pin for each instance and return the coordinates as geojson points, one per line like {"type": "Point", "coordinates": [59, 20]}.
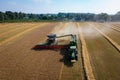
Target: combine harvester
{"type": "Point", "coordinates": [52, 43]}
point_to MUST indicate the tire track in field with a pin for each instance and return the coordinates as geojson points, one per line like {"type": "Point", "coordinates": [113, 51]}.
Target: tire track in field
{"type": "Point", "coordinates": [116, 45]}
{"type": "Point", "coordinates": [57, 31]}
{"type": "Point", "coordinates": [27, 64]}
{"type": "Point", "coordinates": [78, 66]}
{"type": "Point", "coordinates": [111, 27]}
{"type": "Point", "coordinates": [7, 36]}
{"type": "Point", "coordinates": [14, 28]}
{"type": "Point", "coordinates": [85, 55]}
{"type": "Point", "coordinates": [4, 25]}
{"type": "Point", "coordinates": [114, 35]}
{"type": "Point", "coordinates": [74, 72]}
{"type": "Point", "coordinates": [17, 28]}
{"type": "Point", "coordinates": [62, 29]}
{"type": "Point", "coordinates": [116, 25]}
{"type": "Point", "coordinates": [8, 27]}
{"type": "Point", "coordinates": [19, 34]}
{"type": "Point", "coordinates": [60, 75]}
{"type": "Point", "coordinates": [80, 55]}
{"type": "Point", "coordinates": [115, 29]}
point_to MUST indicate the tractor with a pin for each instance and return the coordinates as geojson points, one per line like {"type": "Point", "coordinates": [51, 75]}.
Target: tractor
{"type": "Point", "coordinates": [51, 43]}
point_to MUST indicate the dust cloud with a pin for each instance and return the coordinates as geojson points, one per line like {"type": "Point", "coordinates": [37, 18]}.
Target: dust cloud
{"type": "Point", "coordinates": [89, 31]}
{"type": "Point", "coordinates": [65, 29]}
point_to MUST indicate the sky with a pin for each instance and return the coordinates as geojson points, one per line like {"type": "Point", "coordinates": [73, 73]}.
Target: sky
{"type": "Point", "coordinates": [56, 6]}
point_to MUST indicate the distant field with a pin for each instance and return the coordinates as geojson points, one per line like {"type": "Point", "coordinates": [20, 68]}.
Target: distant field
{"type": "Point", "coordinates": [98, 47]}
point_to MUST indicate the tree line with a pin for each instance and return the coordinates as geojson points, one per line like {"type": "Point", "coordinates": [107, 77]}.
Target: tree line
{"type": "Point", "coordinates": [10, 16]}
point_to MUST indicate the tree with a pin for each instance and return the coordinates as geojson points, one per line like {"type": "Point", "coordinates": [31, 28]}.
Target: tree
{"type": "Point", "coordinates": [89, 17]}
{"type": "Point", "coordinates": [16, 14]}
{"type": "Point", "coordinates": [102, 17]}
{"type": "Point", "coordinates": [116, 17]}
{"type": "Point", "coordinates": [1, 16]}
{"type": "Point", "coordinates": [10, 15]}
{"type": "Point", "coordinates": [21, 15]}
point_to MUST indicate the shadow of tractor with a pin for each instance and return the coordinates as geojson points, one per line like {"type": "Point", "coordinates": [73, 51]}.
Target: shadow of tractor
{"type": "Point", "coordinates": [64, 52]}
{"type": "Point", "coordinates": [66, 58]}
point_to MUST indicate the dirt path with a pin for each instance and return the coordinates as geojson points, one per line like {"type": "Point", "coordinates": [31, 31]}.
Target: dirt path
{"type": "Point", "coordinates": [19, 62]}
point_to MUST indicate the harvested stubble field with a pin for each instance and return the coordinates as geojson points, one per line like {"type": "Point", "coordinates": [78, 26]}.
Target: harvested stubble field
{"type": "Point", "coordinates": [98, 47]}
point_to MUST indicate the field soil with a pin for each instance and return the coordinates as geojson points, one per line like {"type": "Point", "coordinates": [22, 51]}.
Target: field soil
{"type": "Point", "coordinates": [20, 62]}
{"type": "Point", "coordinates": [103, 55]}
{"type": "Point", "coordinates": [98, 56]}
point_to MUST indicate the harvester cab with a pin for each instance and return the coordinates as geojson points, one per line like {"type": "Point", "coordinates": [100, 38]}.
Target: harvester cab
{"type": "Point", "coordinates": [51, 39]}
{"type": "Point", "coordinates": [51, 43]}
